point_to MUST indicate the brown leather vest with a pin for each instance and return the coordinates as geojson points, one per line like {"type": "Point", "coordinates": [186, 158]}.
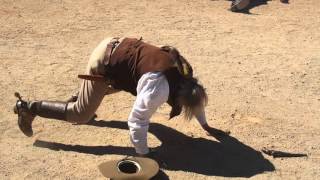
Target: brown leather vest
{"type": "Point", "coordinates": [133, 58]}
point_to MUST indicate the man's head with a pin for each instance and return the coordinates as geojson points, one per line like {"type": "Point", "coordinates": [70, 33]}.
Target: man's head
{"type": "Point", "coordinates": [192, 97]}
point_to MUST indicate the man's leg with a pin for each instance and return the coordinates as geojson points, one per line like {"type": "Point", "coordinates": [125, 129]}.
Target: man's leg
{"type": "Point", "coordinates": [81, 111]}
{"type": "Point", "coordinates": [90, 96]}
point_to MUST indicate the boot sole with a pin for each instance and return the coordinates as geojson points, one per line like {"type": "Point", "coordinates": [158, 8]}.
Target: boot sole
{"type": "Point", "coordinates": [26, 132]}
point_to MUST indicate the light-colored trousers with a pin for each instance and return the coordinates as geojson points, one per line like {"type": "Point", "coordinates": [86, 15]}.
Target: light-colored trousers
{"type": "Point", "coordinates": [91, 93]}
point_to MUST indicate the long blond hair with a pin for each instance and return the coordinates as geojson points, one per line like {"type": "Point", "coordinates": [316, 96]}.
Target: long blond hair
{"type": "Point", "coordinates": [191, 96]}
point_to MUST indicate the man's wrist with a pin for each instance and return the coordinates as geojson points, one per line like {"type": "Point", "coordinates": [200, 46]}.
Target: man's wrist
{"type": "Point", "coordinates": [151, 154]}
{"type": "Point", "coordinates": [205, 126]}
{"type": "Point", "coordinates": [142, 155]}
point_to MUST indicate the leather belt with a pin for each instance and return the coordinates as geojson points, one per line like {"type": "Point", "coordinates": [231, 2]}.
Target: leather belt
{"type": "Point", "coordinates": [110, 47]}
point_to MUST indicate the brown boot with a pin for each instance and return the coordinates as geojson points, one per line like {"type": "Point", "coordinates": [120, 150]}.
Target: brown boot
{"type": "Point", "coordinates": [25, 117]}
{"type": "Point", "coordinates": [27, 111]}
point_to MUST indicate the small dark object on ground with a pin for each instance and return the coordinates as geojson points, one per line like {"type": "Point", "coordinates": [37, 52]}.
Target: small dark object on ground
{"type": "Point", "coordinates": [239, 5]}
{"type": "Point", "coordinates": [244, 6]}
{"type": "Point", "coordinates": [280, 154]}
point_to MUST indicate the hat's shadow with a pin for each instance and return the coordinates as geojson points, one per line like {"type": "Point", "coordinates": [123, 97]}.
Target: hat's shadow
{"type": "Point", "coordinates": [226, 157]}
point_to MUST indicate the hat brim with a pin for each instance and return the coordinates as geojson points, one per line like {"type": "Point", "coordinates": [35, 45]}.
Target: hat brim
{"type": "Point", "coordinates": [147, 169]}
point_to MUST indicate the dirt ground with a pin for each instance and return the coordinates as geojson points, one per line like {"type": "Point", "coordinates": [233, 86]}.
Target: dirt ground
{"type": "Point", "coordinates": [261, 71]}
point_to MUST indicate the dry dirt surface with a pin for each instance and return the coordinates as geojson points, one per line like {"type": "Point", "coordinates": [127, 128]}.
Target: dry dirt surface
{"type": "Point", "coordinates": [261, 72]}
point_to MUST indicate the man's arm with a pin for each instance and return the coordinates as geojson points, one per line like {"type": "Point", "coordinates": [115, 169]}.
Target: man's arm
{"type": "Point", "coordinates": [201, 117]}
{"type": "Point", "coordinates": [152, 91]}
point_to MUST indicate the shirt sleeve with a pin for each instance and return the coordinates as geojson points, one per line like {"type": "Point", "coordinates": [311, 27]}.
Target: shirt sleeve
{"type": "Point", "coordinates": [152, 91]}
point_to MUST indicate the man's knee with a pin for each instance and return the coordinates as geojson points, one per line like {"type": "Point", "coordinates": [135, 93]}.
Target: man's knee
{"type": "Point", "coordinates": [75, 115]}
{"type": "Point", "coordinates": [83, 119]}
{"type": "Point", "coordinates": [80, 119]}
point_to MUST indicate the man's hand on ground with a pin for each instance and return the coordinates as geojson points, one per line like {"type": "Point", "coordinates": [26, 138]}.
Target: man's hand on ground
{"type": "Point", "coordinates": [214, 132]}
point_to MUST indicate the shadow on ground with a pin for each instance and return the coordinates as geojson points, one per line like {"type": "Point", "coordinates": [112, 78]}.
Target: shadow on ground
{"type": "Point", "coordinates": [226, 157]}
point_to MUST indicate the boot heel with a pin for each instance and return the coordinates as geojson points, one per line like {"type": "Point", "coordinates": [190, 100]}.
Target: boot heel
{"type": "Point", "coordinates": [15, 109]}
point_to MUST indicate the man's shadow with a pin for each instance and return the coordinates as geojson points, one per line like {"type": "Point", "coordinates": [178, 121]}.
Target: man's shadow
{"type": "Point", "coordinates": [226, 157]}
